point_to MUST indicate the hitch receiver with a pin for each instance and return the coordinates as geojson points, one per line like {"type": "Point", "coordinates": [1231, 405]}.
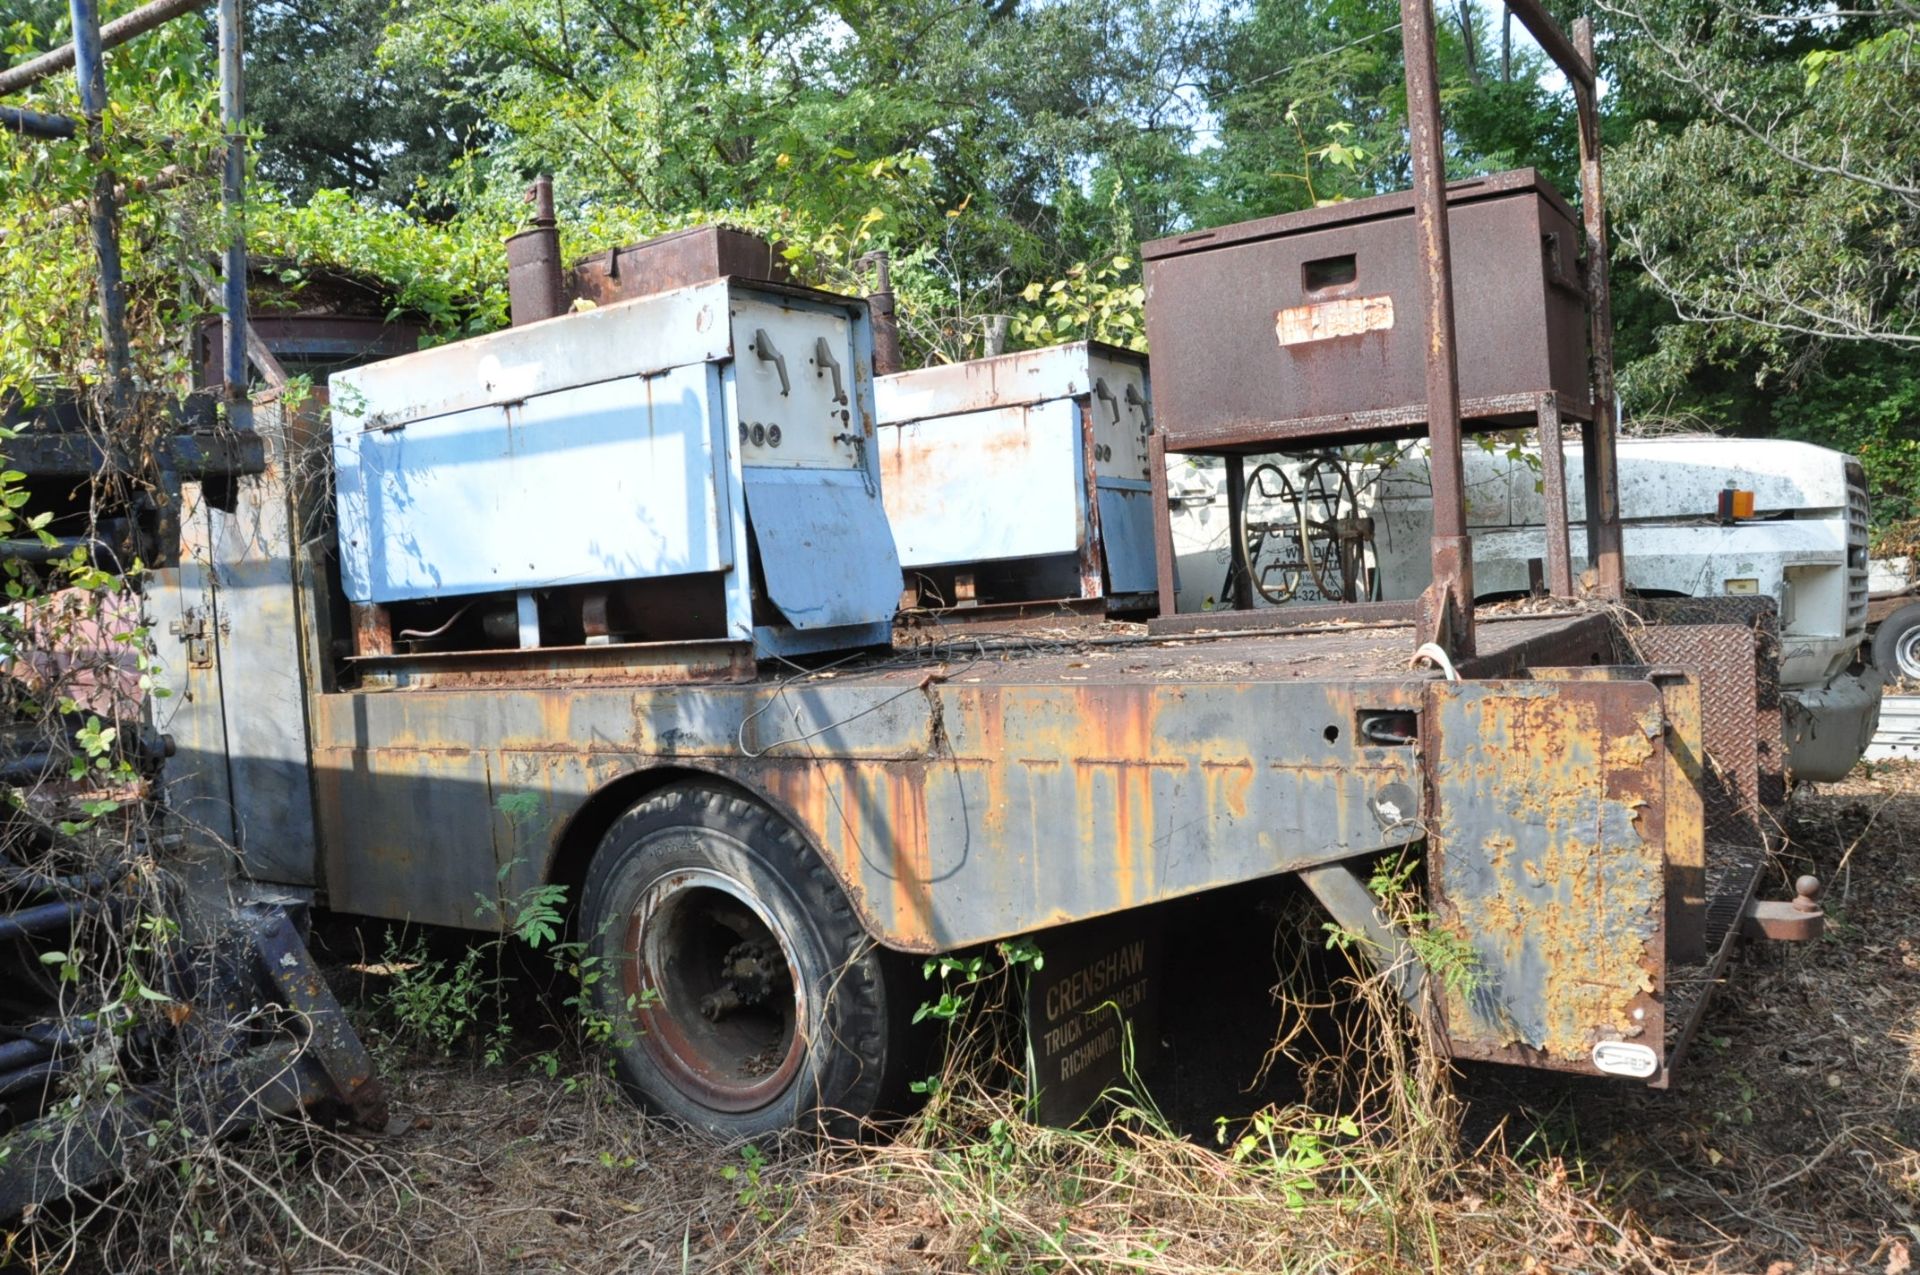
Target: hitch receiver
{"type": "Point", "coordinates": [1797, 921]}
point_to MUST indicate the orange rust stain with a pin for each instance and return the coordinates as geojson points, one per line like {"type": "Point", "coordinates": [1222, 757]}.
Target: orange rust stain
{"type": "Point", "coordinates": [916, 477]}
{"type": "Point", "coordinates": [912, 857]}
{"type": "Point", "coordinates": [871, 822]}
{"type": "Point", "coordinates": [1118, 727]}
{"type": "Point", "coordinates": [982, 708]}
{"type": "Point", "coordinates": [1228, 784]}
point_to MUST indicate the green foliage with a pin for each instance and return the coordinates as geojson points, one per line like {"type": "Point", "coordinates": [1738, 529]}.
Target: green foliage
{"type": "Point", "coordinates": [960, 975]}
{"type": "Point", "coordinates": [1290, 1148]}
{"type": "Point", "coordinates": [764, 1200]}
{"type": "Point", "coordinates": [382, 136]}
{"type": "Point", "coordinates": [160, 115]}
{"type": "Point", "coordinates": [438, 1005]}
{"type": "Point", "coordinates": [1097, 303]}
{"type": "Point", "coordinates": [1782, 293]}
{"type": "Point", "coordinates": [1443, 953]}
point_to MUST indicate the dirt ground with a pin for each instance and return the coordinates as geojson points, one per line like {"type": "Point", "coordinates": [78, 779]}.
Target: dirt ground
{"type": "Point", "coordinates": [1790, 1143]}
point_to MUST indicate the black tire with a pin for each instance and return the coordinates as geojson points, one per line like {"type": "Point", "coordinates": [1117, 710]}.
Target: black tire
{"type": "Point", "coordinates": [689, 898]}
{"type": "Point", "coordinates": [1896, 644]}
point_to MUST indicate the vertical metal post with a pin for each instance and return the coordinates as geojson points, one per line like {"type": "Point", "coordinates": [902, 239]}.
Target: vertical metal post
{"type": "Point", "coordinates": [1452, 550]}
{"type": "Point", "coordinates": [1599, 459]}
{"type": "Point", "coordinates": [1163, 573]}
{"type": "Point", "coordinates": [1241, 572]}
{"type": "Point", "coordinates": [1553, 490]}
{"type": "Point", "coordinates": [233, 195]}
{"type": "Point", "coordinates": [89, 64]}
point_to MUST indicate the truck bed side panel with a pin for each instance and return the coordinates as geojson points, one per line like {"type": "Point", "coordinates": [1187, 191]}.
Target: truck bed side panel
{"type": "Point", "coordinates": [954, 814]}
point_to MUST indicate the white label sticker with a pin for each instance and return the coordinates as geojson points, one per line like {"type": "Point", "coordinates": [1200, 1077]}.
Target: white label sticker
{"type": "Point", "coordinates": [1324, 320]}
{"type": "Point", "coordinates": [1624, 1058]}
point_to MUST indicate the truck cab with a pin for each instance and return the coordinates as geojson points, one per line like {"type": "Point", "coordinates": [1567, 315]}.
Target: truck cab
{"type": "Point", "coordinates": [1799, 537]}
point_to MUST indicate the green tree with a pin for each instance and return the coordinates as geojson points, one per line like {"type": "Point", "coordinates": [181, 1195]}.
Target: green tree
{"type": "Point", "coordinates": [1766, 192]}
{"type": "Point", "coordinates": [331, 115]}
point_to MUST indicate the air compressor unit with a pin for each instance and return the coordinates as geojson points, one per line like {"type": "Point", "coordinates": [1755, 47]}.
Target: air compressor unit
{"type": "Point", "coordinates": [1021, 479]}
{"type": "Point", "coordinates": [691, 472]}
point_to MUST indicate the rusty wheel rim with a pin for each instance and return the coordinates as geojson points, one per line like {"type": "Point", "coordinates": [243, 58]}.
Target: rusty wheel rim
{"type": "Point", "coordinates": [716, 992]}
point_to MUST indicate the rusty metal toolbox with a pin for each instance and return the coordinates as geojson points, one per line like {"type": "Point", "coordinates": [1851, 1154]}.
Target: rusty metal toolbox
{"type": "Point", "coordinates": [1311, 324]}
{"type": "Point", "coordinates": [677, 260]}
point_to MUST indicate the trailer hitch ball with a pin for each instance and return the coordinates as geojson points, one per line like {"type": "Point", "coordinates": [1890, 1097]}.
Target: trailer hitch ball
{"type": "Point", "coordinates": [1795, 921]}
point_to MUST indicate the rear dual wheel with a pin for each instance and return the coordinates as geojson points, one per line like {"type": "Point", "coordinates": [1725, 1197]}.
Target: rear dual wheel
{"type": "Point", "coordinates": [742, 994]}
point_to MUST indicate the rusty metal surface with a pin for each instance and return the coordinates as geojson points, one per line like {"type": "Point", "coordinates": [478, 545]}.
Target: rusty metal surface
{"type": "Point", "coordinates": [1723, 657]}
{"type": "Point", "coordinates": [1733, 871]}
{"type": "Point", "coordinates": [1576, 63]}
{"type": "Point", "coordinates": [1553, 490]}
{"type": "Point", "coordinates": [325, 341]}
{"type": "Point", "coordinates": [1800, 919]}
{"type": "Point", "coordinates": [1735, 643]}
{"type": "Point", "coordinates": [621, 664]}
{"type": "Point", "coordinates": [1445, 618]}
{"type": "Point", "coordinates": [1547, 844]}
{"type": "Point", "coordinates": [886, 327]}
{"type": "Point", "coordinates": [677, 260]}
{"type": "Point", "coordinates": [1505, 411]}
{"type": "Point", "coordinates": [982, 797]}
{"type": "Point", "coordinates": [372, 629]}
{"type": "Point", "coordinates": [1028, 471]}
{"type": "Point", "coordinates": [1510, 643]}
{"type": "Point", "coordinates": [1212, 298]}
{"type": "Point", "coordinates": [1021, 379]}
{"type": "Point", "coordinates": [928, 625]}
{"type": "Point", "coordinates": [1688, 775]}
{"type": "Point", "coordinates": [284, 965]}
{"type": "Point", "coordinates": [1295, 615]}
{"type": "Point", "coordinates": [1165, 582]}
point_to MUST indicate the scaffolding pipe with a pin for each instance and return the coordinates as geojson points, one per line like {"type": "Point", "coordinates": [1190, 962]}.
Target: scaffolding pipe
{"type": "Point", "coordinates": [233, 194]}
{"type": "Point", "coordinates": [91, 69]}
{"type": "Point", "coordinates": [15, 119]}
{"type": "Point", "coordinates": [119, 31]}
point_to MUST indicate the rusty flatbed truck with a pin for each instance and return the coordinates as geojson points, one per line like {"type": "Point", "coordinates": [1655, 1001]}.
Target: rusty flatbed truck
{"type": "Point", "coordinates": [597, 602]}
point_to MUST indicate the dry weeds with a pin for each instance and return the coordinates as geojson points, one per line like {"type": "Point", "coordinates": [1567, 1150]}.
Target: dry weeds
{"type": "Point", "coordinates": [1790, 1144]}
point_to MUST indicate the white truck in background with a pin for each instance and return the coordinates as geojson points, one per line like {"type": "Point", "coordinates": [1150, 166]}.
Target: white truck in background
{"type": "Point", "coordinates": [1804, 545]}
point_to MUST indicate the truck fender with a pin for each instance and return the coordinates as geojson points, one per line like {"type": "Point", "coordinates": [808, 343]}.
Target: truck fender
{"type": "Point", "coordinates": [576, 839]}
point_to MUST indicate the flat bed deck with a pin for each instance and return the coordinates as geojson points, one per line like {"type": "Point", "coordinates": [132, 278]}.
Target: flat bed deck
{"type": "Point", "coordinates": [1117, 653]}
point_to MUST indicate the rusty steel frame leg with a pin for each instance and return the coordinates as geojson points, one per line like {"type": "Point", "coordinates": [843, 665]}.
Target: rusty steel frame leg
{"type": "Point", "coordinates": [1162, 524]}
{"type": "Point", "coordinates": [1242, 568]}
{"type": "Point", "coordinates": [1553, 483]}
{"type": "Point", "coordinates": [1093, 549]}
{"type": "Point", "coordinates": [1599, 459]}
{"type": "Point", "coordinates": [1452, 549]}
